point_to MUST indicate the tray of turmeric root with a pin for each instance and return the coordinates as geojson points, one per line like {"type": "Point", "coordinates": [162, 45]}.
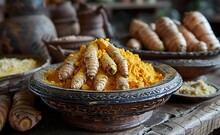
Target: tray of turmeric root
{"type": "Point", "coordinates": [167, 38]}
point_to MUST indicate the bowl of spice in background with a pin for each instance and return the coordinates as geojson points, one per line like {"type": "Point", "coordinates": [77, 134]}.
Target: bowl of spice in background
{"type": "Point", "coordinates": [15, 70]}
{"type": "Point", "coordinates": [105, 89]}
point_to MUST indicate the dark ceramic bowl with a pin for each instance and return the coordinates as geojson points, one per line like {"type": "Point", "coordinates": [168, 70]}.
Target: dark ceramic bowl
{"type": "Point", "coordinates": [107, 111]}
{"type": "Point", "coordinates": [191, 69]}
{"type": "Point", "coordinates": [195, 99]}
{"type": "Point", "coordinates": [13, 82]}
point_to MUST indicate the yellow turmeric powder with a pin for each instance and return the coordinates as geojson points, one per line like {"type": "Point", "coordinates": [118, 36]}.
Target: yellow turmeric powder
{"type": "Point", "coordinates": [140, 74]}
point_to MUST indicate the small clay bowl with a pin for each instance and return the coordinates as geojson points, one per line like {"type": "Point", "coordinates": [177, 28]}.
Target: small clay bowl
{"type": "Point", "coordinates": [107, 111]}
{"type": "Point", "coordinates": [11, 83]}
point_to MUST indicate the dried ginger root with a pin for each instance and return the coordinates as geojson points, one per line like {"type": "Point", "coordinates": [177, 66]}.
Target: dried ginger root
{"type": "Point", "coordinates": [91, 60]}
{"type": "Point", "coordinates": [79, 79]}
{"type": "Point", "coordinates": [108, 64]}
{"type": "Point", "coordinates": [5, 104]}
{"type": "Point", "coordinates": [68, 67]}
{"type": "Point", "coordinates": [23, 116]}
{"type": "Point", "coordinates": [121, 82]}
{"type": "Point", "coordinates": [119, 59]}
{"type": "Point", "coordinates": [100, 81]}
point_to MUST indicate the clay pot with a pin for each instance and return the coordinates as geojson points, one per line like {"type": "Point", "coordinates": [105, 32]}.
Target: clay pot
{"type": "Point", "coordinates": [93, 21]}
{"type": "Point", "coordinates": [65, 19]}
{"type": "Point", "coordinates": [25, 28]}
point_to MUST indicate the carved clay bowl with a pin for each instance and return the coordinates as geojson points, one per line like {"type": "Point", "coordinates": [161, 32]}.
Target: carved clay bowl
{"type": "Point", "coordinates": [107, 111]}
{"type": "Point", "coordinates": [11, 83]}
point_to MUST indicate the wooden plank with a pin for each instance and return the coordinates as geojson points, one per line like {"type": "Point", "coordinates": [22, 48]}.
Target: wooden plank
{"type": "Point", "coordinates": [202, 120]}
{"type": "Point", "coordinates": [169, 128]}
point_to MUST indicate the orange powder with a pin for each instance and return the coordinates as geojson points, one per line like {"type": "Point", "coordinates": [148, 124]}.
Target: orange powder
{"type": "Point", "coordinates": [140, 73]}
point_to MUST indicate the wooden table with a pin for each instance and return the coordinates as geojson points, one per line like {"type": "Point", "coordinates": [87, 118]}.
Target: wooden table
{"type": "Point", "coordinates": [173, 118]}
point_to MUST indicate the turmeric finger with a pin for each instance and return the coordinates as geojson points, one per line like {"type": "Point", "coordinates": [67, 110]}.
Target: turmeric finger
{"type": "Point", "coordinates": [91, 60]}
{"type": "Point", "coordinates": [169, 33]}
{"type": "Point", "coordinates": [79, 79]}
{"type": "Point", "coordinates": [68, 67]}
{"type": "Point", "coordinates": [108, 64]}
{"type": "Point", "coordinates": [119, 59]}
{"type": "Point", "coordinates": [121, 82]}
{"type": "Point", "coordinates": [23, 115]}
{"type": "Point", "coordinates": [5, 104]}
{"type": "Point", "coordinates": [100, 81]}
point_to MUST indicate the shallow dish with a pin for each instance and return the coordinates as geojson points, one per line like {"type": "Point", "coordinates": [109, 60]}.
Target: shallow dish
{"type": "Point", "coordinates": [196, 99]}
{"type": "Point", "coordinates": [70, 42]}
{"type": "Point", "coordinates": [107, 111]}
{"type": "Point", "coordinates": [147, 54]}
{"type": "Point", "coordinates": [13, 82]}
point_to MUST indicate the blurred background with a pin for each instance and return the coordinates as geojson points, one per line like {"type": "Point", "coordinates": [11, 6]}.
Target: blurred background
{"type": "Point", "coordinates": [120, 12]}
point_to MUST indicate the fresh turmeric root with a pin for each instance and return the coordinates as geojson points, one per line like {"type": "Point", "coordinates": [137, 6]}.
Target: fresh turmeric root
{"type": "Point", "coordinates": [193, 44]}
{"type": "Point", "coordinates": [135, 27]}
{"type": "Point", "coordinates": [121, 82]}
{"type": "Point", "coordinates": [100, 81]}
{"type": "Point", "coordinates": [79, 79]}
{"type": "Point", "coordinates": [23, 115]}
{"type": "Point", "coordinates": [199, 25]}
{"type": "Point", "coordinates": [68, 67]}
{"type": "Point", "coordinates": [134, 44]}
{"type": "Point", "coordinates": [91, 60]}
{"type": "Point", "coordinates": [119, 59]}
{"type": "Point", "coordinates": [108, 64]}
{"type": "Point", "coordinates": [150, 39]}
{"type": "Point", "coordinates": [5, 104]}
{"type": "Point", "coordinates": [169, 33]}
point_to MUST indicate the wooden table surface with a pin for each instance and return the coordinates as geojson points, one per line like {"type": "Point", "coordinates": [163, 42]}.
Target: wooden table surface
{"type": "Point", "coordinates": [173, 118]}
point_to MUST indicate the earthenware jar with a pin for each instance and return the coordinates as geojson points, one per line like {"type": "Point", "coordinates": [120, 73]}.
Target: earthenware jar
{"type": "Point", "coordinates": [25, 28]}
{"type": "Point", "coordinates": [93, 21]}
{"type": "Point", "coordinates": [65, 19]}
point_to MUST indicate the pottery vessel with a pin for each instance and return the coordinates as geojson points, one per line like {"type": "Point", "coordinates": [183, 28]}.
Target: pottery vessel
{"type": "Point", "coordinates": [93, 21]}
{"type": "Point", "coordinates": [65, 19]}
{"type": "Point", "coordinates": [25, 28]}
{"type": "Point", "coordinates": [110, 111]}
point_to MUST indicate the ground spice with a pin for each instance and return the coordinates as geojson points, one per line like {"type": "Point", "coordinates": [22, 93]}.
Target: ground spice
{"type": "Point", "coordinates": [140, 73]}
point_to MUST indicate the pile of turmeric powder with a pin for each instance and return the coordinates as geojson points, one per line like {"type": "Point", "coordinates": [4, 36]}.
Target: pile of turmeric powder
{"type": "Point", "coordinates": [103, 67]}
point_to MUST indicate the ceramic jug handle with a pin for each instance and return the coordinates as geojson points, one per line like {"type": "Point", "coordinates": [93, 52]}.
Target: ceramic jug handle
{"type": "Point", "coordinates": [107, 26]}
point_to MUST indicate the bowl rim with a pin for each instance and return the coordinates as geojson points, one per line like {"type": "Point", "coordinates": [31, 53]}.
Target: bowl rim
{"type": "Point", "coordinates": [172, 81]}
{"type": "Point", "coordinates": [209, 62]}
